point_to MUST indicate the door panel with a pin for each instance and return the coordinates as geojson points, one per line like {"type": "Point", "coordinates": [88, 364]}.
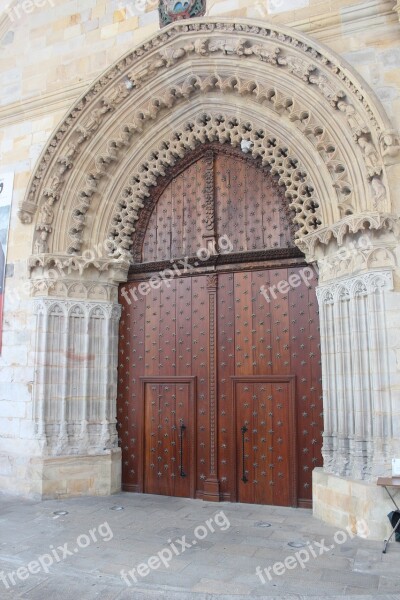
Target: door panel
{"type": "Point", "coordinates": [265, 440]}
{"type": "Point", "coordinates": [209, 323]}
{"type": "Point", "coordinates": [168, 444]}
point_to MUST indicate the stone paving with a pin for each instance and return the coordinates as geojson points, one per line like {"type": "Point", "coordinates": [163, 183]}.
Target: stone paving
{"type": "Point", "coordinates": [88, 566]}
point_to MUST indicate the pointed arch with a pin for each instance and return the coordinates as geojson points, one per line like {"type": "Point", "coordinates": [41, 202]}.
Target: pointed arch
{"type": "Point", "coordinates": [160, 100]}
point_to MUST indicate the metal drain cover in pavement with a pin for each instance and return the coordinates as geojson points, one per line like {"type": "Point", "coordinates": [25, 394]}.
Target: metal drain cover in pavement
{"type": "Point", "coordinates": [262, 524]}
{"type": "Point", "coordinates": [297, 544]}
{"type": "Point", "coordinates": [60, 513]}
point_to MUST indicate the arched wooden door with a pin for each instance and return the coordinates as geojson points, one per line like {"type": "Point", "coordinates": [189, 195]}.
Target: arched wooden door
{"type": "Point", "coordinates": [219, 367]}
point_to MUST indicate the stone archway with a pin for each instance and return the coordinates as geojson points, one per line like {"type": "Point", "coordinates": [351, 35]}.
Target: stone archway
{"type": "Point", "coordinates": [281, 97]}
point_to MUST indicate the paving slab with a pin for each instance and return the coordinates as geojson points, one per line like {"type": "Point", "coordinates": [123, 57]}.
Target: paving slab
{"type": "Point", "coordinates": [92, 545]}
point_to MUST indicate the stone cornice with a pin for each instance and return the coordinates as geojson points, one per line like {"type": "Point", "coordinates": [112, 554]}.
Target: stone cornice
{"type": "Point", "coordinates": [39, 106]}
{"type": "Point", "coordinates": [355, 18]}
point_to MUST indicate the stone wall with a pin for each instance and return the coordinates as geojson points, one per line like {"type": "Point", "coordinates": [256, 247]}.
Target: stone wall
{"type": "Point", "coordinates": [48, 57]}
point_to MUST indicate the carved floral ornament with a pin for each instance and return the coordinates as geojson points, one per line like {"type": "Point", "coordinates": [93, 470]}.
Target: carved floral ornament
{"type": "Point", "coordinates": [277, 55]}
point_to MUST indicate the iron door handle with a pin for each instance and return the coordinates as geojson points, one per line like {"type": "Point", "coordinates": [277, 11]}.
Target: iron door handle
{"type": "Point", "coordinates": [182, 429]}
{"type": "Point", "coordinates": [244, 430]}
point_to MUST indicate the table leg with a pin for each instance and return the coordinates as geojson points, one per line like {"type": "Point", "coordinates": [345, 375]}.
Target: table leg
{"type": "Point", "coordinates": [386, 542]}
{"type": "Point", "coordinates": [391, 497]}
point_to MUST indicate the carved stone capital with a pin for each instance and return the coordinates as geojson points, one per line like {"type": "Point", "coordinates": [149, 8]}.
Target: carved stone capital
{"type": "Point", "coordinates": [350, 287]}
{"type": "Point", "coordinates": [65, 276]}
{"type": "Point", "coordinates": [351, 224]}
{"type": "Point", "coordinates": [362, 255]}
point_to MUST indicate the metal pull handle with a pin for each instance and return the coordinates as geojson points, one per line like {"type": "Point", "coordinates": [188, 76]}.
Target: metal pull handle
{"type": "Point", "coordinates": [244, 430]}
{"type": "Point", "coordinates": [182, 429]}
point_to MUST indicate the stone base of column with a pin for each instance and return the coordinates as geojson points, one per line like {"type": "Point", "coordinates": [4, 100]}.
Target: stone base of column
{"type": "Point", "coordinates": [344, 502]}
{"type": "Point", "coordinates": [67, 476]}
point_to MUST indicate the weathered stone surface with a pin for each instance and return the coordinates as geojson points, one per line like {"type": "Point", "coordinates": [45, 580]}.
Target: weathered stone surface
{"type": "Point", "coordinates": [348, 149]}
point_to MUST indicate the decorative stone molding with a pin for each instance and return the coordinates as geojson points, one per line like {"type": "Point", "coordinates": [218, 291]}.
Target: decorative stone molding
{"type": "Point", "coordinates": [358, 416]}
{"type": "Point", "coordinates": [356, 257]}
{"type": "Point", "coordinates": [77, 277]}
{"type": "Point", "coordinates": [350, 287]}
{"type": "Point", "coordinates": [301, 64]}
{"type": "Point", "coordinates": [282, 104]}
{"type": "Point", "coordinates": [76, 367]}
{"type": "Point", "coordinates": [72, 289]}
{"type": "Point", "coordinates": [65, 265]}
{"type": "Point", "coordinates": [210, 128]}
{"type": "Point", "coordinates": [351, 224]}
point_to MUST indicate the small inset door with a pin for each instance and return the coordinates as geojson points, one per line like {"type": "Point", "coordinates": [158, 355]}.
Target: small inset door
{"type": "Point", "coordinates": [169, 465]}
{"type": "Point", "coordinates": [265, 439]}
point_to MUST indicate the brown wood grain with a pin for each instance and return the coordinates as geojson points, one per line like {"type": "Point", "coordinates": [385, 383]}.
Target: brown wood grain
{"type": "Point", "coordinates": [168, 339]}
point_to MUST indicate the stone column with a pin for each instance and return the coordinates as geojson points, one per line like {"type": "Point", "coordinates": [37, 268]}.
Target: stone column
{"type": "Point", "coordinates": [76, 375]}
{"type": "Point", "coordinates": [358, 426]}
{"type": "Point", "coordinates": [75, 386]}
{"type": "Point", "coordinates": [359, 302]}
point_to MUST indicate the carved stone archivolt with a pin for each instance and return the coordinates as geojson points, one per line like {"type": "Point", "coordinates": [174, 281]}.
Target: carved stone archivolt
{"type": "Point", "coordinates": [208, 127]}
{"type": "Point", "coordinates": [304, 75]}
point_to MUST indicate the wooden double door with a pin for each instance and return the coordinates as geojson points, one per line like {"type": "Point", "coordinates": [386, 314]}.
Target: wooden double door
{"type": "Point", "coordinates": [219, 393]}
{"type": "Point", "coordinates": [219, 389]}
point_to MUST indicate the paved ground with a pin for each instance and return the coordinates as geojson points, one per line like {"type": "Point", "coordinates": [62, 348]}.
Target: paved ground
{"type": "Point", "coordinates": [87, 566]}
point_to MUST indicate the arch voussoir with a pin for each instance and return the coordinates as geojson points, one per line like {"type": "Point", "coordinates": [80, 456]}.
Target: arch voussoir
{"type": "Point", "coordinates": [299, 82]}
